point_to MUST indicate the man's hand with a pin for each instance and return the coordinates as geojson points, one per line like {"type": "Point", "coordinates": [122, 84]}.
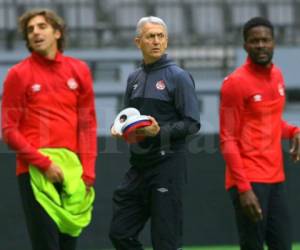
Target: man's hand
{"type": "Point", "coordinates": [251, 206]}
{"type": "Point", "coordinates": [149, 131]}
{"type": "Point", "coordinates": [88, 188]}
{"type": "Point", "coordinates": [114, 133]}
{"type": "Point", "coordinates": [295, 148]}
{"type": "Point", "coordinates": [54, 173]}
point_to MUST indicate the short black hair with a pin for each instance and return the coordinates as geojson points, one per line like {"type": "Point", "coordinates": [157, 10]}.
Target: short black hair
{"type": "Point", "coordinates": [257, 21]}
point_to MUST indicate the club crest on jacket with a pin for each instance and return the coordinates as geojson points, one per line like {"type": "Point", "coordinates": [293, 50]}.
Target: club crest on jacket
{"type": "Point", "coordinates": [160, 85]}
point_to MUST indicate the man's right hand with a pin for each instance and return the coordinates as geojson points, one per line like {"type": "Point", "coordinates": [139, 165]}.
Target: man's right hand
{"type": "Point", "coordinates": [54, 173]}
{"type": "Point", "coordinates": [251, 206]}
{"type": "Point", "coordinates": [114, 133]}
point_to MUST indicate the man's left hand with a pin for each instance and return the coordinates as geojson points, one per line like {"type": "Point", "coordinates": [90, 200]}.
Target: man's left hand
{"type": "Point", "coordinates": [295, 148]}
{"type": "Point", "coordinates": [87, 188]}
{"type": "Point", "coordinates": [149, 131]}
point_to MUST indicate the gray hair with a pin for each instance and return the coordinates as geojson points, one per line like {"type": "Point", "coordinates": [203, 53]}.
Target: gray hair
{"type": "Point", "coordinates": [149, 19]}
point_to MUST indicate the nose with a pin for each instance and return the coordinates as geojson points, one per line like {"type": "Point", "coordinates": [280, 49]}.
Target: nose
{"type": "Point", "coordinates": [156, 39]}
{"type": "Point", "coordinates": [35, 30]}
{"type": "Point", "coordinates": [261, 44]}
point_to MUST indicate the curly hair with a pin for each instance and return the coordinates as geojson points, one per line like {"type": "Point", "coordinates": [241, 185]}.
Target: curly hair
{"type": "Point", "coordinates": [51, 17]}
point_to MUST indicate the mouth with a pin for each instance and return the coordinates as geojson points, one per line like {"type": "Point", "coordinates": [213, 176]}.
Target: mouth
{"type": "Point", "coordinates": [156, 50]}
{"type": "Point", "coordinates": [262, 55]}
{"type": "Point", "coordinates": [38, 42]}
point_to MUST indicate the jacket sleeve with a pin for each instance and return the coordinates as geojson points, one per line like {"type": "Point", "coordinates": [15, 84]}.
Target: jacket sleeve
{"type": "Point", "coordinates": [126, 97]}
{"type": "Point", "coordinates": [288, 131]}
{"type": "Point", "coordinates": [187, 105]}
{"type": "Point", "coordinates": [131, 80]}
{"type": "Point", "coordinates": [231, 104]}
{"type": "Point", "coordinates": [87, 127]}
{"type": "Point", "coordinates": [13, 108]}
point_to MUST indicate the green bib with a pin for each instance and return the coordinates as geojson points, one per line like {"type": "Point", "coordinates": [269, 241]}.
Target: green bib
{"type": "Point", "coordinates": [71, 209]}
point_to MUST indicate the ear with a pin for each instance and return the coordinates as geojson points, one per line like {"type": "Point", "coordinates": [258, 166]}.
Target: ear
{"type": "Point", "coordinates": [57, 34]}
{"type": "Point", "coordinates": [167, 40]}
{"type": "Point", "coordinates": [245, 47]}
{"type": "Point", "coordinates": [137, 42]}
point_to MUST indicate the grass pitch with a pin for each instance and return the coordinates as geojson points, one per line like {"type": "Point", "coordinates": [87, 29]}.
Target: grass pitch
{"type": "Point", "coordinates": [295, 247]}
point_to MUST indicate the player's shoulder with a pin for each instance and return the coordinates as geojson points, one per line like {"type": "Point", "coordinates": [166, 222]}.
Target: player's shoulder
{"type": "Point", "coordinates": [133, 76]}
{"type": "Point", "coordinates": [79, 64]}
{"type": "Point", "coordinates": [234, 82]}
{"type": "Point", "coordinates": [175, 70]}
{"type": "Point", "coordinates": [234, 77]}
{"type": "Point", "coordinates": [21, 67]}
{"type": "Point", "coordinates": [276, 70]}
{"type": "Point", "coordinates": [178, 74]}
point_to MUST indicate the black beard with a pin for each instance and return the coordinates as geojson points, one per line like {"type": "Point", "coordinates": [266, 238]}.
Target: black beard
{"type": "Point", "coordinates": [262, 63]}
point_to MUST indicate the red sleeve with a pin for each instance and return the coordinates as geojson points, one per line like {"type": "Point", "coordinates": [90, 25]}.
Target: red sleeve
{"type": "Point", "coordinates": [87, 134]}
{"type": "Point", "coordinates": [12, 109]}
{"type": "Point", "coordinates": [288, 131]}
{"type": "Point", "coordinates": [231, 105]}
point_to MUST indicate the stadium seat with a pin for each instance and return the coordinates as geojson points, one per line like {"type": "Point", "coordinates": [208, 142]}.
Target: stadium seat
{"type": "Point", "coordinates": [172, 13]}
{"type": "Point", "coordinates": [125, 18]}
{"type": "Point", "coordinates": [208, 22]}
{"type": "Point", "coordinates": [283, 18]}
{"type": "Point", "coordinates": [81, 21]}
{"type": "Point", "coordinates": [8, 16]}
{"type": "Point", "coordinates": [240, 13]}
{"type": "Point", "coordinates": [8, 24]}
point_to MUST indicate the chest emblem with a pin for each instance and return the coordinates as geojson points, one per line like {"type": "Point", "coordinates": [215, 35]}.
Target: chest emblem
{"type": "Point", "coordinates": [257, 98]}
{"type": "Point", "coordinates": [160, 85]}
{"type": "Point", "coordinates": [280, 89]}
{"type": "Point", "coordinates": [134, 86]}
{"type": "Point", "coordinates": [36, 87]}
{"type": "Point", "coordinates": [72, 84]}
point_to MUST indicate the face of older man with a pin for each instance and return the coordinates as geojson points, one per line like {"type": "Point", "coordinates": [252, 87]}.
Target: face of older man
{"type": "Point", "coordinates": [152, 42]}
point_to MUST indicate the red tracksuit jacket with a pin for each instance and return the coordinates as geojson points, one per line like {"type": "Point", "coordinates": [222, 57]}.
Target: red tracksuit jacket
{"type": "Point", "coordinates": [50, 103]}
{"type": "Point", "coordinates": [251, 125]}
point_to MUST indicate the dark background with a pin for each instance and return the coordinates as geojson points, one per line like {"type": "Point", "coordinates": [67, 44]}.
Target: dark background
{"type": "Point", "coordinates": [208, 216]}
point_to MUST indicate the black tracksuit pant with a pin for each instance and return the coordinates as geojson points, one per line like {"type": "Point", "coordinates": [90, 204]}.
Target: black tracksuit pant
{"type": "Point", "coordinates": [43, 232]}
{"type": "Point", "coordinates": [154, 192]}
{"type": "Point", "coordinates": [274, 229]}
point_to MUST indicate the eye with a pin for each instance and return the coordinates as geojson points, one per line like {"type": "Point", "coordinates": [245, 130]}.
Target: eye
{"type": "Point", "coordinates": [123, 118]}
{"type": "Point", "coordinates": [29, 29]}
{"type": "Point", "coordinates": [152, 36]}
{"type": "Point", "coordinates": [43, 26]}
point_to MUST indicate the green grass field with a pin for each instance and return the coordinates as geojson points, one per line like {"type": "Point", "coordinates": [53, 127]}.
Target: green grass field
{"type": "Point", "coordinates": [295, 247]}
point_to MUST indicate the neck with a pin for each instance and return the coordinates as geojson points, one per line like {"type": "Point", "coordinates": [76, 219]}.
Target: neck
{"type": "Point", "coordinates": [50, 55]}
{"type": "Point", "coordinates": [148, 61]}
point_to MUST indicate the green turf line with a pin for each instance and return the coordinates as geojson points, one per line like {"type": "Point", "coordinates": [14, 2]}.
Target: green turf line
{"type": "Point", "coordinates": [295, 247]}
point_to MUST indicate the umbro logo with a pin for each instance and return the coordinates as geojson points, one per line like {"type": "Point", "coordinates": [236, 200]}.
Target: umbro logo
{"type": "Point", "coordinates": [162, 190]}
{"type": "Point", "coordinates": [36, 87]}
{"type": "Point", "coordinates": [257, 98]}
{"type": "Point", "coordinates": [280, 89]}
{"type": "Point", "coordinates": [72, 84]}
{"type": "Point", "coordinates": [134, 86]}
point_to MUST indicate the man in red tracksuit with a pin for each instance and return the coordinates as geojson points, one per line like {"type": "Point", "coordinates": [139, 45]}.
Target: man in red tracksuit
{"type": "Point", "coordinates": [251, 129]}
{"type": "Point", "coordinates": [48, 102]}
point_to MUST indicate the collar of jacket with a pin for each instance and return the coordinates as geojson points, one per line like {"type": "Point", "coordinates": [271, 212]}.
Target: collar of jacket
{"type": "Point", "coordinates": [254, 67]}
{"type": "Point", "coordinates": [44, 60]}
{"type": "Point", "coordinates": [162, 62]}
